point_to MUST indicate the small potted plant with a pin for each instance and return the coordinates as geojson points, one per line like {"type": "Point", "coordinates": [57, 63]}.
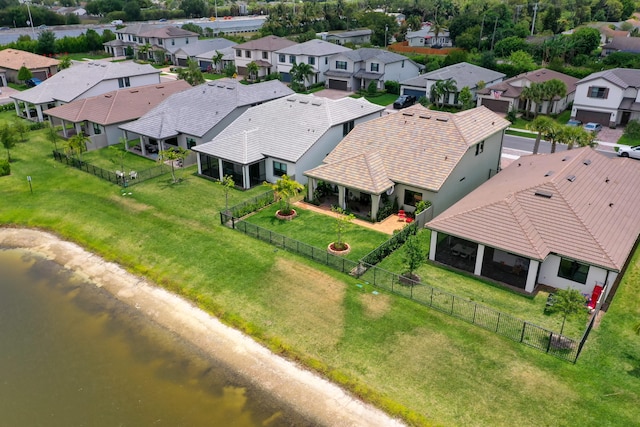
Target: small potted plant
{"type": "Point", "coordinates": [343, 221]}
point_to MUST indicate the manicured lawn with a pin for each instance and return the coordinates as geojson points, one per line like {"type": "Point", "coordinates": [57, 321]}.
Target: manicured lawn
{"type": "Point", "coordinates": [625, 140]}
{"type": "Point", "coordinates": [430, 368]}
{"type": "Point", "coordinates": [211, 76]}
{"type": "Point", "coordinates": [318, 230]}
{"type": "Point", "coordinates": [109, 159]}
{"type": "Point", "coordinates": [384, 99]}
{"type": "Point", "coordinates": [84, 56]}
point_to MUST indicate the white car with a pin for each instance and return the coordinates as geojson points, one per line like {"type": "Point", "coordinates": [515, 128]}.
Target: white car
{"type": "Point", "coordinates": [633, 152]}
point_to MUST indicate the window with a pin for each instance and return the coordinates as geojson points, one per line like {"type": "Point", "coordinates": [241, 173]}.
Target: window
{"type": "Point", "coordinates": [573, 270]}
{"type": "Point", "coordinates": [160, 42]}
{"type": "Point", "coordinates": [402, 64]}
{"type": "Point", "coordinates": [124, 82]}
{"type": "Point", "coordinates": [247, 54]}
{"type": "Point", "coordinates": [190, 143]}
{"type": "Point", "coordinates": [598, 92]}
{"type": "Point", "coordinates": [375, 67]}
{"type": "Point", "coordinates": [129, 37]}
{"type": "Point", "coordinates": [238, 53]}
{"type": "Point", "coordinates": [292, 59]}
{"type": "Point", "coordinates": [282, 58]}
{"type": "Point", "coordinates": [341, 65]}
{"type": "Point", "coordinates": [279, 168]}
{"type": "Point", "coordinates": [135, 39]}
{"type": "Point", "coordinates": [326, 61]}
{"type": "Point", "coordinates": [311, 60]}
{"type": "Point", "coordinates": [187, 40]}
{"type": "Point", "coordinates": [265, 55]}
{"type": "Point", "coordinates": [173, 42]}
{"type": "Point", "coordinates": [146, 40]}
{"type": "Point", "coordinates": [411, 198]}
{"type": "Point", "coordinates": [479, 147]}
{"type": "Point", "coordinates": [347, 127]}
{"type": "Point", "coordinates": [97, 130]}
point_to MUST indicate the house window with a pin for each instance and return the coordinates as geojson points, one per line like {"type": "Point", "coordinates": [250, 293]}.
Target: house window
{"type": "Point", "coordinates": [573, 270]}
{"type": "Point", "coordinates": [97, 130]}
{"type": "Point", "coordinates": [173, 42]}
{"type": "Point", "coordinates": [135, 39]}
{"type": "Point", "coordinates": [341, 65]}
{"type": "Point", "coordinates": [238, 53]}
{"type": "Point", "coordinates": [282, 58]}
{"type": "Point", "coordinates": [146, 40]}
{"type": "Point", "coordinates": [347, 127]}
{"type": "Point", "coordinates": [375, 67]}
{"type": "Point", "coordinates": [292, 59]}
{"type": "Point", "coordinates": [326, 61]}
{"type": "Point", "coordinates": [598, 92]}
{"type": "Point", "coordinates": [187, 40]}
{"type": "Point", "coordinates": [129, 37]}
{"type": "Point", "coordinates": [312, 60]}
{"type": "Point", "coordinates": [124, 82]}
{"type": "Point", "coordinates": [160, 42]}
{"type": "Point", "coordinates": [265, 55]}
{"type": "Point", "coordinates": [190, 143]}
{"type": "Point", "coordinates": [279, 168]}
{"type": "Point", "coordinates": [411, 198]}
{"type": "Point", "coordinates": [479, 147]}
{"type": "Point", "coordinates": [247, 54]}
{"type": "Point", "coordinates": [402, 64]}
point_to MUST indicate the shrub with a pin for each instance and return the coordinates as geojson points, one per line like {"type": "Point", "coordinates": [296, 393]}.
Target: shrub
{"type": "Point", "coordinates": [392, 87]}
{"type": "Point", "coordinates": [5, 168]}
{"type": "Point", "coordinates": [372, 89]}
{"type": "Point", "coordinates": [632, 130]}
{"type": "Point", "coordinates": [37, 125]}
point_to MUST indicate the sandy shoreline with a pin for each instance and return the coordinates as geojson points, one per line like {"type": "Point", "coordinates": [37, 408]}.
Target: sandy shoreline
{"type": "Point", "coordinates": [303, 390]}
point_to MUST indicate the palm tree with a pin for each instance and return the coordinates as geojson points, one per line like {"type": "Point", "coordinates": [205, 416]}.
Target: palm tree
{"type": "Point", "coordinates": [541, 125]}
{"type": "Point", "coordinates": [551, 135]}
{"type": "Point", "coordinates": [143, 51]}
{"type": "Point", "coordinates": [551, 89]}
{"type": "Point", "coordinates": [252, 70]}
{"type": "Point", "coordinates": [441, 89]}
{"type": "Point", "coordinates": [76, 145]}
{"type": "Point", "coordinates": [217, 60]}
{"type": "Point", "coordinates": [532, 94]}
{"type": "Point", "coordinates": [301, 72]}
{"type": "Point", "coordinates": [284, 189]}
{"type": "Point", "coordinates": [575, 135]}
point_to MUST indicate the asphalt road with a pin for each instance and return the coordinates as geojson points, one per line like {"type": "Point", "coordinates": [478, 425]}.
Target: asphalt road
{"type": "Point", "coordinates": [515, 146]}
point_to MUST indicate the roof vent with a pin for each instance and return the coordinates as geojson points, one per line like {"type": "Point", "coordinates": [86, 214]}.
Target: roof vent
{"type": "Point", "coordinates": [424, 117]}
{"type": "Point", "coordinates": [304, 101]}
{"type": "Point", "coordinates": [571, 178]}
{"type": "Point", "coordinates": [408, 114]}
{"type": "Point", "coordinates": [230, 88]}
{"type": "Point", "coordinates": [548, 173]}
{"type": "Point", "coordinates": [564, 159]}
{"type": "Point", "coordinates": [291, 99]}
{"type": "Point", "coordinates": [316, 103]}
{"type": "Point", "coordinates": [442, 119]}
{"type": "Point", "coordinates": [544, 193]}
{"type": "Point", "coordinates": [587, 162]}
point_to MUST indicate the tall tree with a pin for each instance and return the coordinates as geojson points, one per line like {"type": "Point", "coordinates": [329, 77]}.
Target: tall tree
{"type": "Point", "coordinates": [541, 125]}
{"type": "Point", "coordinates": [284, 189]}
{"type": "Point", "coordinates": [252, 70]}
{"type": "Point", "coordinates": [46, 43]}
{"type": "Point", "coordinates": [413, 256]}
{"type": "Point", "coordinates": [227, 184]}
{"type": "Point", "coordinates": [76, 145]}
{"type": "Point", "coordinates": [440, 91]}
{"type": "Point", "coordinates": [216, 59]}
{"type": "Point", "coordinates": [533, 96]}
{"type": "Point", "coordinates": [301, 72]}
{"type": "Point", "coordinates": [551, 89]}
{"type": "Point", "coordinates": [173, 155]}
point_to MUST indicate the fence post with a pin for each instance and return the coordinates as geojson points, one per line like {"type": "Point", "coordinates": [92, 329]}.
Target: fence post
{"type": "Point", "coordinates": [498, 322]}
{"type": "Point", "coordinates": [431, 303]}
{"type": "Point", "coordinates": [374, 277]}
{"type": "Point", "coordinates": [221, 220]}
{"type": "Point", "coordinates": [550, 338]}
{"type": "Point", "coordinates": [393, 279]}
{"type": "Point", "coordinates": [475, 309]}
{"type": "Point", "coordinates": [524, 327]}
{"type": "Point", "coordinates": [412, 289]}
{"type": "Point", "coordinates": [233, 222]}
{"type": "Point", "coordinates": [453, 300]}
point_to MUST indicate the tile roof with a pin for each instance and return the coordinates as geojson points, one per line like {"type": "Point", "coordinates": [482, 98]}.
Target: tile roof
{"type": "Point", "coordinates": [268, 43]}
{"type": "Point", "coordinates": [14, 59]}
{"type": "Point", "coordinates": [197, 110]}
{"type": "Point", "coordinates": [149, 30]}
{"type": "Point", "coordinates": [512, 88]}
{"type": "Point", "coordinates": [463, 74]}
{"type": "Point", "coordinates": [313, 47]}
{"type": "Point", "coordinates": [119, 105]}
{"type": "Point", "coordinates": [207, 45]}
{"type": "Point", "coordinates": [586, 208]}
{"type": "Point", "coordinates": [366, 53]}
{"type": "Point", "coordinates": [354, 33]}
{"type": "Point", "coordinates": [67, 85]}
{"type": "Point", "coordinates": [228, 53]}
{"type": "Point", "coordinates": [285, 128]}
{"type": "Point", "coordinates": [624, 44]}
{"type": "Point", "coordinates": [623, 77]}
{"type": "Point", "coordinates": [437, 139]}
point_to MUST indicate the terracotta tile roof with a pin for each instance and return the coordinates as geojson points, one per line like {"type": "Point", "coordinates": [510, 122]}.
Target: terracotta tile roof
{"type": "Point", "coordinates": [437, 139]}
{"type": "Point", "coordinates": [512, 88]}
{"type": "Point", "coordinates": [119, 105]}
{"type": "Point", "coordinates": [14, 59]}
{"type": "Point", "coordinates": [577, 204]}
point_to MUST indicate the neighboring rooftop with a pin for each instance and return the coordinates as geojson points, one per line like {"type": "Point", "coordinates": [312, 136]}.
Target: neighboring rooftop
{"type": "Point", "coordinates": [197, 110]}
{"type": "Point", "coordinates": [624, 44]}
{"type": "Point", "coordinates": [578, 204]}
{"type": "Point", "coordinates": [622, 77]}
{"type": "Point", "coordinates": [367, 53]}
{"type": "Point", "coordinates": [14, 59]}
{"type": "Point", "coordinates": [201, 46]}
{"type": "Point", "coordinates": [268, 43]}
{"type": "Point", "coordinates": [512, 88]}
{"type": "Point", "coordinates": [149, 30]}
{"type": "Point", "coordinates": [354, 33]}
{"type": "Point", "coordinates": [119, 105]}
{"type": "Point", "coordinates": [314, 47]}
{"type": "Point", "coordinates": [463, 74]}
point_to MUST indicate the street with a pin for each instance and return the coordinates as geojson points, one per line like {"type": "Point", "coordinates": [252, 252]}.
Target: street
{"type": "Point", "coordinates": [515, 146]}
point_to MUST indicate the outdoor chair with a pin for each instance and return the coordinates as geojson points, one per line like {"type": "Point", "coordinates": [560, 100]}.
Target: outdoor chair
{"type": "Point", "coordinates": [133, 175]}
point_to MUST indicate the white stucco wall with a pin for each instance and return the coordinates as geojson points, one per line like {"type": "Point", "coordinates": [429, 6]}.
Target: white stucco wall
{"type": "Point", "coordinates": [582, 102]}
{"type": "Point", "coordinates": [112, 84]}
{"type": "Point", "coordinates": [396, 71]}
{"type": "Point", "coordinates": [548, 275]}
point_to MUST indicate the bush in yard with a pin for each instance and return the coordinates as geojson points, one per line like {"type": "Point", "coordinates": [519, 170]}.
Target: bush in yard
{"type": "Point", "coordinates": [632, 130]}
{"type": "Point", "coordinates": [372, 89]}
{"type": "Point", "coordinates": [5, 168]}
{"type": "Point", "coordinates": [24, 73]}
{"type": "Point", "coordinates": [392, 87]}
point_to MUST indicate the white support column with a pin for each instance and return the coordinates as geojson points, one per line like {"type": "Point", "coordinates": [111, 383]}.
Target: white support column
{"type": "Point", "coordinates": [531, 275]}
{"type": "Point", "coordinates": [246, 182]}
{"type": "Point", "coordinates": [311, 188]}
{"type": "Point", "coordinates": [64, 129]}
{"type": "Point", "coordinates": [341, 199]}
{"type": "Point", "coordinates": [479, 257]}
{"type": "Point", "coordinates": [17, 105]}
{"type": "Point", "coordinates": [39, 113]}
{"type": "Point", "coordinates": [375, 206]}
{"type": "Point", "coordinates": [220, 171]}
{"type": "Point", "coordinates": [143, 145]}
{"type": "Point", "coordinates": [27, 110]}
{"type": "Point", "coordinates": [432, 245]}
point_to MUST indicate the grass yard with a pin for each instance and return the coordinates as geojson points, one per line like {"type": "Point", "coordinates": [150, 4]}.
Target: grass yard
{"type": "Point", "coordinates": [414, 362]}
{"type": "Point", "coordinates": [85, 56]}
{"type": "Point", "coordinates": [319, 230]}
{"type": "Point", "coordinates": [379, 99]}
{"type": "Point", "coordinates": [626, 140]}
{"type": "Point", "coordinates": [109, 159]}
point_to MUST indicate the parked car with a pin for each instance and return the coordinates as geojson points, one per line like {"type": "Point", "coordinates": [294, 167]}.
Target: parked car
{"type": "Point", "coordinates": [593, 127]}
{"type": "Point", "coordinates": [626, 151]}
{"type": "Point", "coordinates": [33, 82]}
{"type": "Point", "coordinates": [404, 101]}
{"type": "Point", "coordinates": [574, 123]}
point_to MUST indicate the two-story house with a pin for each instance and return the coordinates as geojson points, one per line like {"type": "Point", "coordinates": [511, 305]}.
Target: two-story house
{"type": "Point", "coordinates": [82, 81]}
{"type": "Point", "coordinates": [314, 52]}
{"type": "Point", "coordinates": [610, 97]}
{"type": "Point", "coordinates": [156, 42]}
{"type": "Point", "coordinates": [356, 69]}
{"type": "Point", "coordinates": [262, 52]}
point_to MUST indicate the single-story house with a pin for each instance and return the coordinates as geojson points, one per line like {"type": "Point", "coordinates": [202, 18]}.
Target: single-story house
{"type": "Point", "coordinates": [205, 59]}
{"type": "Point", "coordinates": [82, 81]}
{"type": "Point", "coordinates": [622, 44]}
{"type": "Point", "coordinates": [565, 220]}
{"type": "Point", "coordinates": [197, 115]}
{"type": "Point", "coordinates": [426, 37]}
{"type": "Point", "coordinates": [462, 74]}
{"type": "Point", "coordinates": [610, 97]}
{"type": "Point", "coordinates": [98, 117]}
{"type": "Point", "coordinates": [282, 137]}
{"type": "Point", "coordinates": [11, 60]}
{"type": "Point", "coordinates": [505, 96]}
{"type": "Point", "coordinates": [413, 155]}
{"type": "Point", "coordinates": [356, 37]}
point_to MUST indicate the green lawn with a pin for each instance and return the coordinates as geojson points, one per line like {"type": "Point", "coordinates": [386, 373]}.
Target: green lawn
{"type": "Point", "coordinates": [85, 56]}
{"type": "Point", "coordinates": [318, 230]}
{"type": "Point", "coordinates": [417, 363]}
{"type": "Point", "coordinates": [109, 159]}
{"type": "Point", "coordinates": [379, 99]}
{"type": "Point", "coordinates": [625, 140]}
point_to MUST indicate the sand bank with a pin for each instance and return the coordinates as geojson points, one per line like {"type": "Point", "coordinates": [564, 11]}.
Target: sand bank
{"type": "Point", "coordinates": [306, 392]}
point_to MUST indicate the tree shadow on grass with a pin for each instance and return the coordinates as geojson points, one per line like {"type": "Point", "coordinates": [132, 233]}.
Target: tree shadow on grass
{"type": "Point", "coordinates": [635, 361]}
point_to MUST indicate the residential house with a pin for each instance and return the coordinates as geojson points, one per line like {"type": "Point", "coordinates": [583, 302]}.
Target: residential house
{"type": "Point", "coordinates": [72, 10]}
{"type": "Point", "coordinates": [149, 41]}
{"type": "Point", "coordinates": [356, 37]}
{"type": "Point", "coordinates": [197, 115]}
{"type": "Point", "coordinates": [413, 155]}
{"type": "Point", "coordinates": [205, 59]}
{"type": "Point", "coordinates": [565, 220]}
{"type": "Point", "coordinates": [11, 60]}
{"type": "Point", "coordinates": [607, 34]}
{"type": "Point", "coordinates": [622, 44]}
{"type": "Point", "coordinates": [262, 52]}
{"type": "Point", "coordinates": [505, 96]}
{"type": "Point", "coordinates": [285, 136]}
{"type": "Point", "coordinates": [356, 69]}
{"type": "Point", "coordinates": [98, 117]}
{"type": "Point", "coordinates": [427, 37]}
{"type": "Point", "coordinates": [82, 81]}
{"type": "Point", "coordinates": [462, 74]}
{"type": "Point", "coordinates": [610, 97]}
{"type": "Point", "coordinates": [314, 52]}
{"type": "Point", "coordinates": [180, 55]}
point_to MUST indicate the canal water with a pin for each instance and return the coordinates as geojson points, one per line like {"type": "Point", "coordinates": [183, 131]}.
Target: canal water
{"type": "Point", "coordinates": [72, 355]}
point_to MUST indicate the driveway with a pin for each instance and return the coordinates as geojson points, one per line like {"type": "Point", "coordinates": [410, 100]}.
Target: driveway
{"type": "Point", "coordinates": [332, 93]}
{"type": "Point", "coordinates": [610, 135]}
{"type": "Point", "coordinates": [6, 93]}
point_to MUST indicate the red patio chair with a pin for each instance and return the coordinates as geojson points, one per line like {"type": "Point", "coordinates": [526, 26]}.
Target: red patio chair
{"type": "Point", "coordinates": [401, 215]}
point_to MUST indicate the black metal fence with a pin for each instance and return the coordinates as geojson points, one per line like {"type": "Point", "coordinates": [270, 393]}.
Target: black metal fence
{"type": "Point", "coordinates": [387, 248]}
{"type": "Point", "coordinates": [122, 179]}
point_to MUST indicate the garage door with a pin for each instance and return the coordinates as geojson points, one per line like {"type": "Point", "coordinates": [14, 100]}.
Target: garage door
{"type": "Point", "coordinates": [182, 62]}
{"type": "Point", "coordinates": [496, 105]}
{"type": "Point", "coordinates": [337, 84]}
{"type": "Point", "coordinates": [42, 75]}
{"type": "Point", "coordinates": [593, 116]}
{"type": "Point", "coordinates": [417, 93]}
{"type": "Point", "coordinates": [285, 77]}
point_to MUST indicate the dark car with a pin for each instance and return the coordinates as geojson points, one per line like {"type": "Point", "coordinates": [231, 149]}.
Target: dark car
{"type": "Point", "coordinates": [404, 101]}
{"type": "Point", "coordinates": [33, 82]}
